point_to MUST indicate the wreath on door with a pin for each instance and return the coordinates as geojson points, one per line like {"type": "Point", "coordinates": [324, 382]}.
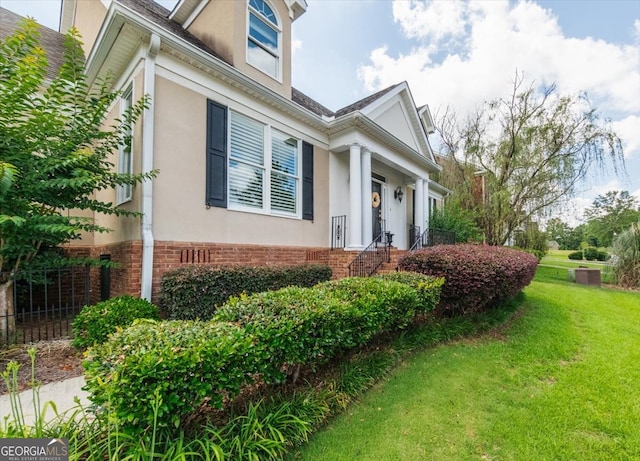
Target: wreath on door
{"type": "Point", "coordinates": [375, 200]}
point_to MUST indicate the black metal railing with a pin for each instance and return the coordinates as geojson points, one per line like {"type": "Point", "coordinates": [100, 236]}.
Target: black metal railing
{"type": "Point", "coordinates": [45, 302]}
{"type": "Point", "coordinates": [338, 231]}
{"type": "Point", "coordinates": [372, 257]}
{"type": "Point", "coordinates": [431, 237]}
{"type": "Point", "coordinates": [414, 235]}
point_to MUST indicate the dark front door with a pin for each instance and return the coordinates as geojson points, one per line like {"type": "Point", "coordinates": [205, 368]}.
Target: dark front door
{"type": "Point", "coordinates": [376, 211]}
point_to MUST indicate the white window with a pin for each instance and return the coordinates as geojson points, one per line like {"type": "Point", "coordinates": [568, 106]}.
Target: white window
{"type": "Point", "coordinates": [125, 157]}
{"type": "Point", "coordinates": [263, 38]}
{"type": "Point", "coordinates": [264, 173]}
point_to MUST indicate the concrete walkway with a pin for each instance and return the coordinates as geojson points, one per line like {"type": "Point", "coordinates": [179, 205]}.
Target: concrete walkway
{"type": "Point", "coordinates": [62, 393]}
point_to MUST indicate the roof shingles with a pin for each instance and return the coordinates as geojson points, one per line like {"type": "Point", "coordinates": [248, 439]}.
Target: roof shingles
{"type": "Point", "coordinates": [50, 40]}
{"type": "Point", "coordinates": [53, 42]}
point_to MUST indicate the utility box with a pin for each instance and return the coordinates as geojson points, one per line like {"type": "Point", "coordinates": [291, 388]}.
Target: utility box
{"type": "Point", "coordinates": [589, 277]}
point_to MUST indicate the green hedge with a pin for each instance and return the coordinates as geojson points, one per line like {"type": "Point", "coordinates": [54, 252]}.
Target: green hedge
{"type": "Point", "coordinates": [590, 253]}
{"type": "Point", "coordinates": [195, 292]}
{"type": "Point", "coordinates": [179, 362]}
{"type": "Point", "coordinates": [428, 287]}
{"type": "Point", "coordinates": [303, 326]}
{"type": "Point", "coordinates": [95, 323]}
{"type": "Point", "coordinates": [575, 256]}
{"type": "Point", "coordinates": [183, 362]}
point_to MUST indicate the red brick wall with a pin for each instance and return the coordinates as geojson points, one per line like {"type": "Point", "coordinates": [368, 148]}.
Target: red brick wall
{"type": "Point", "coordinates": [167, 255]}
{"type": "Point", "coordinates": [125, 275]}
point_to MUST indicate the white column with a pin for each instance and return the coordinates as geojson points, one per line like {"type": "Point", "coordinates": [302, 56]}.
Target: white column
{"type": "Point", "coordinates": [355, 198]}
{"type": "Point", "coordinates": [427, 206]}
{"type": "Point", "coordinates": [367, 226]}
{"type": "Point", "coordinates": [419, 205]}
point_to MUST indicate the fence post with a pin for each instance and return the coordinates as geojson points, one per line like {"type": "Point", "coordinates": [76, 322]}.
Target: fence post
{"type": "Point", "coordinates": [105, 278]}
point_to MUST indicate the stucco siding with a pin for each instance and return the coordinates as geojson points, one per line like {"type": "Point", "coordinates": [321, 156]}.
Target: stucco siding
{"type": "Point", "coordinates": [222, 25]}
{"type": "Point", "coordinates": [88, 20]}
{"type": "Point", "coordinates": [180, 213]}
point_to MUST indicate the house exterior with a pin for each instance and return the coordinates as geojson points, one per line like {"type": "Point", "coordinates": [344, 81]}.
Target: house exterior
{"type": "Point", "coordinates": [251, 171]}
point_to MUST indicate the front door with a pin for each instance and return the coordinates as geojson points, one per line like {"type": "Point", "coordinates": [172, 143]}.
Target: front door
{"type": "Point", "coordinates": [376, 210]}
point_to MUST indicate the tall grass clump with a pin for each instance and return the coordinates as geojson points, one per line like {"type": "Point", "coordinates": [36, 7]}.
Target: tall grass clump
{"type": "Point", "coordinates": [625, 267]}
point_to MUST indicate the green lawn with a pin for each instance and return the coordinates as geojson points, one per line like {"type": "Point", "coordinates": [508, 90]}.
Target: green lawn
{"type": "Point", "coordinates": [561, 381]}
{"type": "Point", "coordinates": [558, 261]}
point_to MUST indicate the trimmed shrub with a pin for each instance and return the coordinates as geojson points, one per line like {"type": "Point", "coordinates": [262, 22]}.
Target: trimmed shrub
{"type": "Point", "coordinates": [576, 256]}
{"type": "Point", "coordinates": [309, 326]}
{"type": "Point", "coordinates": [477, 277]}
{"type": "Point", "coordinates": [179, 362]}
{"type": "Point", "coordinates": [427, 287]}
{"type": "Point", "coordinates": [95, 323]}
{"type": "Point", "coordinates": [385, 305]}
{"type": "Point", "coordinates": [590, 253]}
{"type": "Point", "coordinates": [603, 256]}
{"type": "Point", "coordinates": [195, 292]}
{"type": "Point", "coordinates": [537, 253]}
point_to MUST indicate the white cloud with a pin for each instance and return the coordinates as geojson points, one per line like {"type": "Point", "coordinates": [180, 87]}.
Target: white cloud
{"type": "Point", "coordinates": [629, 131]}
{"type": "Point", "coordinates": [434, 21]}
{"type": "Point", "coordinates": [500, 37]}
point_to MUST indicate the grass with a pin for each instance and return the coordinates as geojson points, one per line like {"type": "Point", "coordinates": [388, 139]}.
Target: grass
{"type": "Point", "coordinates": [558, 261]}
{"type": "Point", "coordinates": [560, 382]}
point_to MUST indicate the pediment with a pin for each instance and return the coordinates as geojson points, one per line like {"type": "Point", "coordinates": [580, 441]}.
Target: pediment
{"type": "Point", "coordinates": [396, 112]}
{"type": "Point", "coordinates": [395, 120]}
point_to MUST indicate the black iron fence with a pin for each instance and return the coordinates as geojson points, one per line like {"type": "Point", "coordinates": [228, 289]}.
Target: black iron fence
{"type": "Point", "coordinates": [44, 304]}
{"type": "Point", "coordinates": [338, 231]}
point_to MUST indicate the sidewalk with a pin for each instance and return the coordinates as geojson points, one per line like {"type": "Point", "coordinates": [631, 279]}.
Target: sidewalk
{"type": "Point", "coordinates": [61, 393]}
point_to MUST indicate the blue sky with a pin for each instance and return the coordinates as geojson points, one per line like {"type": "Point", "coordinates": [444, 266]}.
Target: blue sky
{"type": "Point", "coordinates": [458, 54]}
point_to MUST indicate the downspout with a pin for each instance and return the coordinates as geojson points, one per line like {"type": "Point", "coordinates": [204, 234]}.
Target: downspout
{"type": "Point", "coordinates": [147, 166]}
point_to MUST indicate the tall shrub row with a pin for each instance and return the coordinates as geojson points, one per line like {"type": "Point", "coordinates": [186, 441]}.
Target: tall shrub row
{"type": "Point", "coordinates": [178, 362]}
{"type": "Point", "coordinates": [194, 292]}
{"type": "Point", "coordinates": [477, 277]}
{"type": "Point", "coordinates": [264, 334]}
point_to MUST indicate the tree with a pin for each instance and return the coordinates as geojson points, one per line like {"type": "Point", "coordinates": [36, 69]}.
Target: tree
{"type": "Point", "coordinates": [454, 219]}
{"type": "Point", "coordinates": [519, 156]}
{"type": "Point", "coordinates": [610, 214]}
{"type": "Point", "coordinates": [559, 231]}
{"type": "Point", "coordinates": [626, 260]}
{"type": "Point", "coordinates": [55, 152]}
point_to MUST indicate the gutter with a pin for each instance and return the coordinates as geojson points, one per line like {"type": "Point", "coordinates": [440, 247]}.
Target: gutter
{"type": "Point", "coordinates": [147, 166]}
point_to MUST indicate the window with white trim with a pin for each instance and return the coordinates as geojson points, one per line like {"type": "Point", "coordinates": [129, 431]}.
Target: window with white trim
{"type": "Point", "coordinates": [264, 172]}
{"type": "Point", "coordinates": [263, 38]}
{"type": "Point", "coordinates": [125, 157]}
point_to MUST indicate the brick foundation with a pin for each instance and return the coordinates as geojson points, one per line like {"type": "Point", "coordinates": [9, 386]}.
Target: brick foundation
{"type": "Point", "coordinates": [127, 256]}
{"type": "Point", "coordinates": [169, 255]}
{"type": "Point", "coordinates": [126, 273]}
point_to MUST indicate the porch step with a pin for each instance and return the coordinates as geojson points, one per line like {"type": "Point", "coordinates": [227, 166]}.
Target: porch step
{"type": "Point", "coordinates": [391, 266]}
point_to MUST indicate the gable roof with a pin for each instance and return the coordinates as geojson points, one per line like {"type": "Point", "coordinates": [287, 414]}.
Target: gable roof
{"type": "Point", "coordinates": [361, 104]}
{"type": "Point", "coordinates": [50, 40]}
{"type": "Point", "coordinates": [159, 15]}
{"type": "Point", "coordinates": [311, 104]}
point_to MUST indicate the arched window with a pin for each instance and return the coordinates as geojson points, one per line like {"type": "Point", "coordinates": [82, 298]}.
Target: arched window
{"type": "Point", "coordinates": [263, 40]}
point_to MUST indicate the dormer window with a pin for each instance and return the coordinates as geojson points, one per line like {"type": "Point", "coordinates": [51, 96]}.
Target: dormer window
{"type": "Point", "coordinates": [263, 40]}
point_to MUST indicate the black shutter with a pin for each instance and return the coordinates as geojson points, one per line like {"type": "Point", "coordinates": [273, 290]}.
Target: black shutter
{"type": "Point", "coordinates": [216, 155]}
{"type": "Point", "coordinates": [307, 181]}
